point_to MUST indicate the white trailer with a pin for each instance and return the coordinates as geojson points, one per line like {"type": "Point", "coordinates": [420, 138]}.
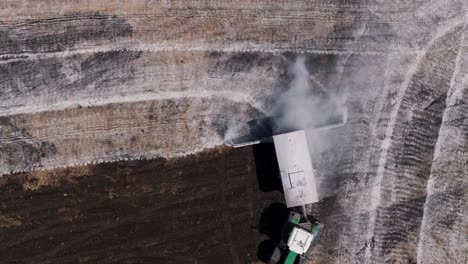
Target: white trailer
{"type": "Point", "coordinates": [295, 166]}
{"type": "Point", "coordinates": [295, 163]}
{"type": "Point", "coordinates": [299, 186]}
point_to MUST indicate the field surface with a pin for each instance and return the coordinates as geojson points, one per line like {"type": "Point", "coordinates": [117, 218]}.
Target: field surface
{"type": "Point", "coordinates": [113, 117]}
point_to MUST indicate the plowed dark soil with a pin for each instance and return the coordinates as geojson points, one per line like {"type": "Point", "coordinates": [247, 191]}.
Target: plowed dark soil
{"type": "Point", "coordinates": [197, 209]}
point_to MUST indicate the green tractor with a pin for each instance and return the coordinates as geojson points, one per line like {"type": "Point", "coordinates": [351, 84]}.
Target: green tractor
{"type": "Point", "coordinates": [297, 237]}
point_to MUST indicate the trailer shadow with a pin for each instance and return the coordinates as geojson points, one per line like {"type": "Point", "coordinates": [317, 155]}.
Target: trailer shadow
{"type": "Point", "coordinates": [276, 214]}
{"type": "Point", "coordinates": [268, 174]}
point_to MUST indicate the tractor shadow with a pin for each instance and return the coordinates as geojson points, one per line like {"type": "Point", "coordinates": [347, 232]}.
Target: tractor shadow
{"type": "Point", "coordinates": [271, 224]}
{"type": "Point", "coordinates": [276, 214]}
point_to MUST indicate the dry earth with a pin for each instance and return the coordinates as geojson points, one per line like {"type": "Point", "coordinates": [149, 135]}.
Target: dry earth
{"type": "Point", "coordinates": [84, 82]}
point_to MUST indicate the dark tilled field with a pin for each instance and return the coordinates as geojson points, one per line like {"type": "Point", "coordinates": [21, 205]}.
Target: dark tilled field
{"type": "Point", "coordinates": [197, 209]}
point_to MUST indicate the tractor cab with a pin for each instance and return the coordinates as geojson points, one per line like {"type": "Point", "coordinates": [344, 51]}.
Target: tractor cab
{"type": "Point", "coordinates": [298, 236]}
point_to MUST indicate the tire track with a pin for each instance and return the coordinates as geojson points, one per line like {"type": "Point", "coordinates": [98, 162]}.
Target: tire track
{"type": "Point", "coordinates": [444, 225]}
{"type": "Point", "coordinates": [404, 172]}
{"type": "Point", "coordinates": [386, 162]}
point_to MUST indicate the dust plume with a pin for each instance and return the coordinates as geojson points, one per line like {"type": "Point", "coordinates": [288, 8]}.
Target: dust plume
{"type": "Point", "coordinates": [307, 104]}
